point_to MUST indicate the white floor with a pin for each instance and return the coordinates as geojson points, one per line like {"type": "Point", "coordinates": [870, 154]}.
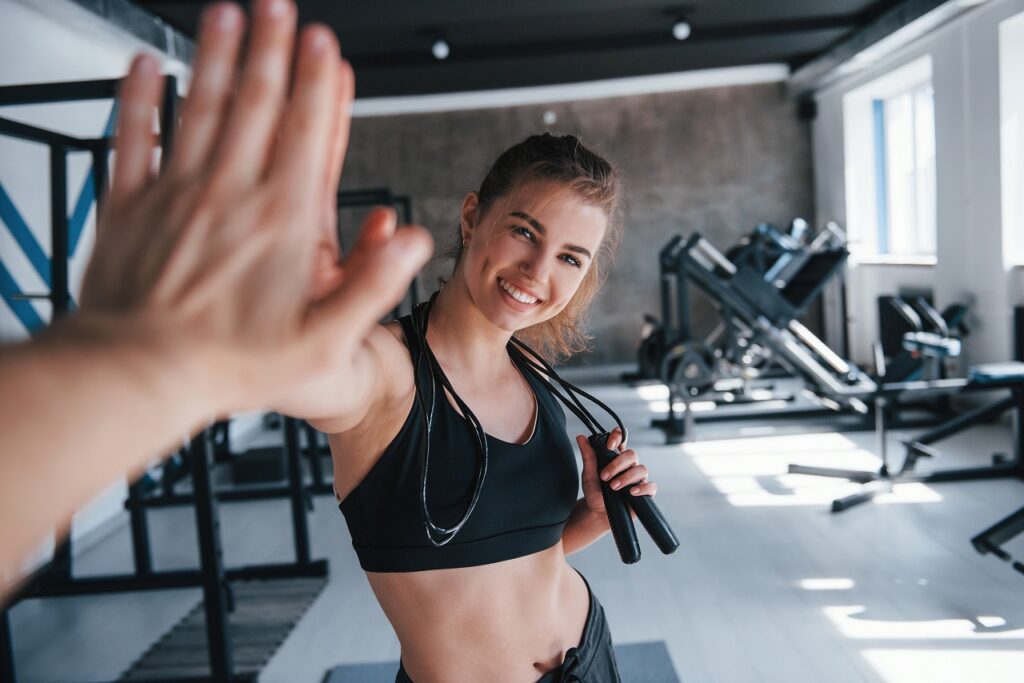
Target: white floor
{"type": "Point", "coordinates": [767, 586]}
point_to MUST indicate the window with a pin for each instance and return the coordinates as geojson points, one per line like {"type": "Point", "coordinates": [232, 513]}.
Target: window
{"type": "Point", "coordinates": [890, 165]}
{"type": "Point", "coordinates": [1011, 133]}
{"type": "Point", "coordinates": [905, 166]}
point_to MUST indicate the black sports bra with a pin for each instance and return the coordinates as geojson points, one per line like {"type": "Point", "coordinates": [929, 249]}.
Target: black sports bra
{"type": "Point", "coordinates": [527, 496]}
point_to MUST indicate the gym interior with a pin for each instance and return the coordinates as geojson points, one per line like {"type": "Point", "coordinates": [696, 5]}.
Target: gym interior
{"type": "Point", "coordinates": [813, 330]}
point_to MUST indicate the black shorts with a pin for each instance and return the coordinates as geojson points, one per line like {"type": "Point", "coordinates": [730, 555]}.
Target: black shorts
{"type": "Point", "coordinates": [591, 661]}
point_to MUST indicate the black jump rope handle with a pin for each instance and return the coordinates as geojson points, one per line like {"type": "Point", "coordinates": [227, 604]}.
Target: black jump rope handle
{"type": "Point", "coordinates": [617, 504]}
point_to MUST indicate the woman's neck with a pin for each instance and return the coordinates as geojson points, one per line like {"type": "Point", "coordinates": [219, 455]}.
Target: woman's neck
{"type": "Point", "coordinates": [462, 338]}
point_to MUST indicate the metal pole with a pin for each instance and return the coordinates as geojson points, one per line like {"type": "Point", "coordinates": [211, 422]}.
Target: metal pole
{"type": "Point", "coordinates": [140, 531]}
{"type": "Point", "coordinates": [300, 525]}
{"type": "Point", "coordinates": [211, 562]}
{"type": "Point", "coordinates": [60, 297]}
{"type": "Point", "coordinates": [316, 469]}
{"type": "Point", "coordinates": [6, 648]}
{"type": "Point", "coordinates": [168, 119]}
{"type": "Point", "coordinates": [1018, 430]}
{"type": "Point", "coordinates": [99, 176]}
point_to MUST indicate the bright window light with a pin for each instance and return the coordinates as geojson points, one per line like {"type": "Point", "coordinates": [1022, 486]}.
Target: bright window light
{"type": "Point", "coordinates": [826, 584]}
{"type": "Point", "coordinates": [889, 127]}
{"type": "Point", "coordinates": [1011, 131]}
{"type": "Point", "coordinates": [851, 622]}
{"type": "Point", "coordinates": [946, 666]}
{"type": "Point", "coordinates": [753, 472]}
{"type": "Point", "coordinates": [906, 160]}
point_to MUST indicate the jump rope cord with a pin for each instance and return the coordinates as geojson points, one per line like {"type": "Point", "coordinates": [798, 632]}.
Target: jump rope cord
{"type": "Point", "coordinates": [545, 372]}
{"type": "Point", "coordinates": [438, 535]}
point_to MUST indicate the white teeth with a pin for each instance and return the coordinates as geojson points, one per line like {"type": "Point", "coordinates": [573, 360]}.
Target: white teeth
{"type": "Point", "coordinates": [521, 297]}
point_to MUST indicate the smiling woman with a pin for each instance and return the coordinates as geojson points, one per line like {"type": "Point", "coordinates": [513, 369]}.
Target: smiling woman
{"type": "Point", "coordinates": [476, 551]}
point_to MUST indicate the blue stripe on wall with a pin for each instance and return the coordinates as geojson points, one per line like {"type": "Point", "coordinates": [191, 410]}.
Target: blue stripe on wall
{"type": "Point", "coordinates": [76, 224]}
{"type": "Point", "coordinates": [881, 177]}
{"type": "Point", "coordinates": [23, 236]}
{"type": "Point", "coordinates": [87, 195]}
{"type": "Point", "coordinates": [24, 310]}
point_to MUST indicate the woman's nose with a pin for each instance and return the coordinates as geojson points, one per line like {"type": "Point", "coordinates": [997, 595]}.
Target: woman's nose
{"type": "Point", "coordinates": [536, 267]}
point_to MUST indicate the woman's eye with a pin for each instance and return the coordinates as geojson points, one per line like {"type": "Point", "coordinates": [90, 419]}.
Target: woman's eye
{"type": "Point", "coordinates": [523, 231]}
{"type": "Point", "coordinates": [573, 261]}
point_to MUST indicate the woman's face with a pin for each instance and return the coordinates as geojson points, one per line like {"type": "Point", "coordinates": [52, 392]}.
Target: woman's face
{"type": "Point", "coordinates": [528, 253]}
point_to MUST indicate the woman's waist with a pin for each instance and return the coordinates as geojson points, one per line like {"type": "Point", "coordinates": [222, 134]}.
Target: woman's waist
{"type": "Point", "coordinates": [503, 621]}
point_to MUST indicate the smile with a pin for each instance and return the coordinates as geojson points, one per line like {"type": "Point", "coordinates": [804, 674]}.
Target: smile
{"type": "Point", "coordinates": [517, 294]}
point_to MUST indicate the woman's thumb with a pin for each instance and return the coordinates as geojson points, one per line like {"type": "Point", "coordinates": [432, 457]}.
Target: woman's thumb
{"type": "Point", "coordinates": [586, 451]}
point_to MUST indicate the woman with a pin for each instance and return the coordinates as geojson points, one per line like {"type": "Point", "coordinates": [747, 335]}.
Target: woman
{"type": "Point", "coordinates": [493, 599]}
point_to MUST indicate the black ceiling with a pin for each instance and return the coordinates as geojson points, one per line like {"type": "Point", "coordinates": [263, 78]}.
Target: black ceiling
{"type": "Point", "coordinates": [540, 42]}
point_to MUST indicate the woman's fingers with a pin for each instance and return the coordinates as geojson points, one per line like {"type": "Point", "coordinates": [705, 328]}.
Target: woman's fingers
{"type": "Point", "coordinates": [213, 78]}
{"type": "Point", "coordinates": [615, 439]}
{"type": "Point", "coordinates": [342, 125]}
{"type": "Point", "coordinates": [647, 489]}
{"type": "Point", "coordinates": [377, 276]}
{"type": "Point", "coordinates": [620, 463]}
{"type": "Point", "coordinates": [633, 475]}
{"type": "Point", "coordinates": [378, 227]}
{"type": "Point", "coordinates": [342, 118]}
{"type": "Point", "coordinates": [139, 95]}
{"type": "Point", "coordinates": [255, 114]}
{"type": "Point", "coordinates": [302, 157]}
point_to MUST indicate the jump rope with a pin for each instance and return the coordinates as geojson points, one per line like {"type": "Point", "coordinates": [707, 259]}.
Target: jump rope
{"type": "Point", "coordinates": [617, 503]}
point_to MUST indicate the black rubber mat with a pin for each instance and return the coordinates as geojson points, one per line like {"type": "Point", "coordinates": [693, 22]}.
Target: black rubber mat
{"type": "Point", "coordinates": [265, 613]}
{"type": "Point", "coordinates": [638, 663]}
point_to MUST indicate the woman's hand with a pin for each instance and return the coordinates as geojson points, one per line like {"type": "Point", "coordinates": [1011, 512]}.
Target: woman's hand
{"type": "Point", "coordinates": [624, 471]}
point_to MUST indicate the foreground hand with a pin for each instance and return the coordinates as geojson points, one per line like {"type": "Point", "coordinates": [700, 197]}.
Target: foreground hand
{"type": "Point", "coordinates": [213, 261]}
{"type": "Point", "coordinates": [624, 471]}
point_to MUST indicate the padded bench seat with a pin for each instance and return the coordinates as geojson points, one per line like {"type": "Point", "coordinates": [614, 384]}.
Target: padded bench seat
{"type": "Point", "coordinates": [931, 344]}
{"type": "Point", "coordinates": [992, 373]}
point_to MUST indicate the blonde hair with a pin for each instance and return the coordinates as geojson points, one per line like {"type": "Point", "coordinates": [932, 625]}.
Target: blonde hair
{"type": "Point", "coordinates": [565, 161]}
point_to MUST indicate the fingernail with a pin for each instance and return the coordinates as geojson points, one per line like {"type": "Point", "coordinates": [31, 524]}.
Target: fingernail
{"type": "Point", "coordinates": [318, 40]}
{"type": "Point", "coordinates": [605, 476]}
{"type": "Point", "coordinates": [223, 17]}
{"type": "Point", "coordinates": [616, 486]}
{"type": "Point", "coordinates": [146, 64]}
{"type": "Point", "coordinates": [635, 491]}
{"type": "Point", "coordinates": [274, 8]}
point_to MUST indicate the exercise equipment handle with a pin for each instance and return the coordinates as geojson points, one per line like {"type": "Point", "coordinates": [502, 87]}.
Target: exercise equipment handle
{"type": "Point", "coordinates": [654, 522]}
{"type": "Point", "coordinates": [615, 505]}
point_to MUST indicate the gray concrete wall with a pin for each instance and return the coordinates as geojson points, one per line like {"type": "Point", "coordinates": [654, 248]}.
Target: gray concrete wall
{"type": "Point", "coordinates": [716, 160]}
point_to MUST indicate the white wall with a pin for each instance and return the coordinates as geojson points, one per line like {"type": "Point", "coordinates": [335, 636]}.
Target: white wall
{"type": "Point", "coordinates": [969, 250]}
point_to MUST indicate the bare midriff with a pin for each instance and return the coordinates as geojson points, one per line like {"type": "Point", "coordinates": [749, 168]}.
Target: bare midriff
{"type": "Point", "coordinates": [509, 621]}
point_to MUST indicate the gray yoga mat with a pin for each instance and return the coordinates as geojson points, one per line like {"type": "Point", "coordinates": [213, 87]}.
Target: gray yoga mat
{"type": "Point", "coordinates": [638, 663]}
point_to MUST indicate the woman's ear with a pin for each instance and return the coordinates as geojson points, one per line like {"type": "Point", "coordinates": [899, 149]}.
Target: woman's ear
{"type": "Point", "coordinates": [469, 216]}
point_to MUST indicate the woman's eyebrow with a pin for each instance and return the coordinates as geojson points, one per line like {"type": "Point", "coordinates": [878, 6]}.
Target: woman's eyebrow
{"type": "Point", "coordinates": [540, 228]}
{"type": "Point", "coordinates": [531, 220]}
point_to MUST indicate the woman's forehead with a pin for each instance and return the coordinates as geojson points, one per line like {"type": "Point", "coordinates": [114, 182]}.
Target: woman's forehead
{"type": "Point", "coordinates": [560, 215]}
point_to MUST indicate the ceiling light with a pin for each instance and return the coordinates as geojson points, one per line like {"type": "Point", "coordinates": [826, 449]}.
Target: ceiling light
{"type": "Point", "coordinates": [681, 30]}
{"type": "Point", "coordinates": [550, 117]}
{"type": "Point", "coordinates": [440, 49]}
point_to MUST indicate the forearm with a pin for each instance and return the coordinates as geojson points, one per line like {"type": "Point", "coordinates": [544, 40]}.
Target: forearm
{"type": "Point", "coordinates": [583, 528]}
{"type": "Point", "coordinates": [80, 408]}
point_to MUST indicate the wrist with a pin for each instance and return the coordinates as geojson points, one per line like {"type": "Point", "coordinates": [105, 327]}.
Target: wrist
{"type": "Point", "coordinates": [596, 519]}
{"type": "Point", "coordinates": [157, 363]}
